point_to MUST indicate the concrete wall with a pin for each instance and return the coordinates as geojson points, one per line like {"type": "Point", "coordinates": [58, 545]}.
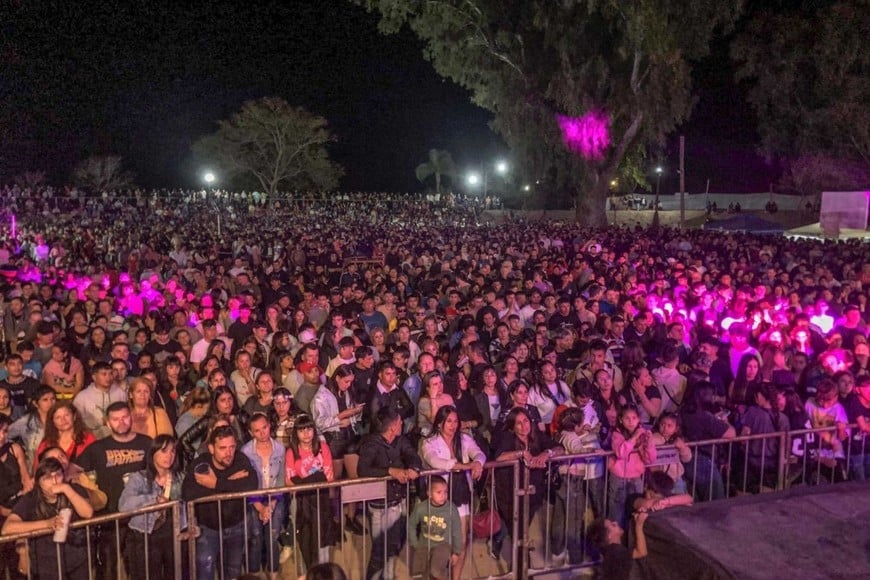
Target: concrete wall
{"type": "Point", "coordinates": [747, 201]}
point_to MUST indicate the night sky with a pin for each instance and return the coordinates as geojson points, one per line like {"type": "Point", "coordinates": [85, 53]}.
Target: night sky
{"type": "Point", "coordinates": [145, 80]}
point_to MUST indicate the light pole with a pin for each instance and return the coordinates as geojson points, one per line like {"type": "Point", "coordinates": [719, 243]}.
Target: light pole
{"type": "Point", "coordinates": [209, 178]}
{"type": "Point", "coordinates": [501, 168]}
{"type": "Point", "coordinates": [655, 222]}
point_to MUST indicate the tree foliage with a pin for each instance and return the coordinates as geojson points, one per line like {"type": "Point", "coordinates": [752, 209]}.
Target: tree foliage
{"type": "Point", "coordinates": [528, 61]}
{"type": "Point", "coordinates": [440, 164]}
{"type": "Point", "coordinates": [280, 145]}
{"type": "Point", "coordinates": [809, 76]}
{"type": "Point", "coordinates": [30, 179]}
{"type": "Point", "coordinates": [102, 173]}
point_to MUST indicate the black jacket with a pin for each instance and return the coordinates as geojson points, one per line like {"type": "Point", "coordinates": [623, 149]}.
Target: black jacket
{"type": "Point", "coordinates": [376, 457]}
{"type": "Point", "coordinates": [232, 512]}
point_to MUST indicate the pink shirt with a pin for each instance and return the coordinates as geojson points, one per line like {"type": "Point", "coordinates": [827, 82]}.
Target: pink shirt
{"type": "Point", "coordinates": [628, 463]}
{"type": "Point", "coordinates": [308, 463]}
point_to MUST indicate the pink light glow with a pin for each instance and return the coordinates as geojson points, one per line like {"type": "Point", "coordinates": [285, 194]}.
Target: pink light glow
{"type": "Point", "coordinates": [13, 227]}
{"type": "Point", "coordinates": [587, 135]}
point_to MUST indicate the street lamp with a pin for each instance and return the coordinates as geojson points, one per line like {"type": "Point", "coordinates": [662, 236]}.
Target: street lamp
{"type": "Point", "coordinates": [659, 171]}
{"type": "Point", "coordinates": [501, 168]}
{"type": "Point", "coordinates": [209, 178]}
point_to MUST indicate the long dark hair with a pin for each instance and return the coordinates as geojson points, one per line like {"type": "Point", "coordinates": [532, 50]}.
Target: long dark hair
{"type": "Point", "coordinates": [511, 419]}
{"type": "Point", "coordinates": [304, 421]}
{"type": "Point", "coordinates": [341, 372]}
{"type": "Point", "coordinates": [160, 443]}
{"type": "Point", "coordinates": [438, 423]}
{"type": "Point", "coordinates": [44, 509]}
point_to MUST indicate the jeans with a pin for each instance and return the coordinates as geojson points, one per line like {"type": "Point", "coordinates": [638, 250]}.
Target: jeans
{"type": "Point", "coordinates": [704, 478]}
{"type": "Point", "coordinates": [263, 547]}
{"type": "Point", "coordinates": [208, 551]}
{"type": "Point", "coordinates": [859, 467]}
{"type": "Point", "coordinates": [577, 496]}
{"type": "Point", "coordinates": [387, 525]}
{"type": "Point", "coordinates": [618, 489]}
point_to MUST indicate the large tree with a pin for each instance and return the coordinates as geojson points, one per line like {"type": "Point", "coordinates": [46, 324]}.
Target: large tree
{"type": "Point", "coordinates": [440, 164]}
{"type": "Point", "coordinates": [102, 173]}
{"type": "Point", "coordinates": [281, 146]}
{"type": "Point", "coordinates": [576, 87]}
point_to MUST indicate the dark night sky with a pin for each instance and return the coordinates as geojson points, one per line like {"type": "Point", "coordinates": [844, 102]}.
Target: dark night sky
{"type": "Point", "coordinates": [146, 79]}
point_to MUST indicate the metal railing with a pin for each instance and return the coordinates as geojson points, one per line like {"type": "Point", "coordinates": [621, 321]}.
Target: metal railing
{"type": "Point", "coordinates": [547, 517]}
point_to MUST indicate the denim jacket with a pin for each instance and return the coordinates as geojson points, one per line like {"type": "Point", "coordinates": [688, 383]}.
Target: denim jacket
{"type": "Point", "coordinates": [276, 466]}
{"type": "Point", "coordinates": [138, 493]}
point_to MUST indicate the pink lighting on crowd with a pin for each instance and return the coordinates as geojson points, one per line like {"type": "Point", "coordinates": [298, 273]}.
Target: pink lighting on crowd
{"type": "Point", "coordinates": [13, 228]}
{"type": "Point", "coordinates": [587, 135]}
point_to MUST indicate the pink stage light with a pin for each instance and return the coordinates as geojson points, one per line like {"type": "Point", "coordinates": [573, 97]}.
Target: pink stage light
{"type": "Point", "coordinates": [587, 135]}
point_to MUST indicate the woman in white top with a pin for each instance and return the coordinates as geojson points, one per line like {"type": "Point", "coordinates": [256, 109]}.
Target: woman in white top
{"type": "Point", "coordinates": [548, 392]}
{"type": "Point", "coordinates": [449, 449]}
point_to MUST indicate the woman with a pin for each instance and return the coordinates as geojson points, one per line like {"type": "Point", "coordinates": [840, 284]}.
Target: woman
{"type": "Point", "coordinates": [282, 368]}
{"type": "Point", "coordinates": [548, 392]}
{"type": "Point", "coordinates": [470, 419]}
{"type": "Point", "coordinates": [642, 394]}
{"type": "Point", "coordinates": [147, 418]}
{"type": "Point", "coordinates": [185, 341]}
{"type": "Point", "coordinates": [489, 402]}
{"type": "Point", "coordinates": [39, 510]}
{"type": "Point", "coordinates": [195, 406]}
{"type": "Point", "coordinates": [742, 390]}
{"type": "Point", "coordinates": [432, 399]}
{"type": "Point", "coordinates": [309, 460]}
{"type": "Point", "coordinates": [379, 343]}
{"type": "Point", "coordinates": [266, 513]}
{"type": "Point", "coordinates": [30, 428]}
{"type": "Point", "coordinates": [64, 429]}
{"type": "Point", "coordinates": [510, 373]}
{"type": "Point", "coordinates": [95, 349]}
{"type": "Point", "coordinates": [518, 396]}
{"type": "Point", "coordinates": [283, 415]}
{"type": "Point", "coordinates": [150, 540]}
{"type": "Point", "coordinates": [209, 364]}
{"type": "Point", "coordinates": [701, 424]}
{"type": "Point", "coordinates": [449, 449]}
{"type": "Point", "coordinates": [172, 386]}
{"type": "Point", "coordinates": [64, 373]}
{"type": "Point", "coordinates": [274, 319]}
{"type": "Point", "coordinates": [521, 440]}
{"type": "Point", "coordinates": [262, 401]}
{"type": "Point", "coordinates": [77, 331]}
{"type": "Point", "coordinates": [224, 405]}
{"type": "Point", "coordinates": [144, 363]}
{"type": "Point", "coordinates": [7, 409]}
{"type": "Point", "coordinates": [607, 405]}
{"type": "Point", "coordinates": [243, 377]}
{"type": "Point", "coordinates": [336, 415]}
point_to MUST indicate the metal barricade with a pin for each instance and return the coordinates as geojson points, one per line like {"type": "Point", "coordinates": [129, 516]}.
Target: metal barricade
{"type": "Point", "coordinates": [116, 524]}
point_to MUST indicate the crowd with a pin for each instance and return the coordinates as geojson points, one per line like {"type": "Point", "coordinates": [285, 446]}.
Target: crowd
{"type": "Point", "coordinates": [174, 345]}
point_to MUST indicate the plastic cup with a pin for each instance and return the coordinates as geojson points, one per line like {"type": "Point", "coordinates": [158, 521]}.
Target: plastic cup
{"type": "Point", "coordinates": [61, 533]}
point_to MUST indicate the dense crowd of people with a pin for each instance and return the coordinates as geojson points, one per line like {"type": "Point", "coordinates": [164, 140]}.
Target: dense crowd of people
{"type": "Point", "coordinates": [175, 345]}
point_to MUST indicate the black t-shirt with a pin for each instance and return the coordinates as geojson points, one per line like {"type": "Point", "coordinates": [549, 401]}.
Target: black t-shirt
{"type": "Point", "coordinates": [616, 562]}
{"type": "Point", "coordinates": [702, 426]}
{"type": "Point", "coordinates": [113, 461]}
{"type": "Point", "coordinates": [854, 409]}
{"type": "Point", "coordinates": [43, 554]}
{"type": "Point", "coordinates": [161, 352]}
{"type": "Point", "coordinates": [21, 392]}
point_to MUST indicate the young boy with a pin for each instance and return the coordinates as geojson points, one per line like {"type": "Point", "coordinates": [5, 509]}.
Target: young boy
{"type": "Point", "coordinates": [617, 560]}
{"type": "Point", "coordinates": [436, 530]}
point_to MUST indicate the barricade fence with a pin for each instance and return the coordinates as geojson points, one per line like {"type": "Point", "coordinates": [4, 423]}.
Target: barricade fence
{"type": "Point", "coordinates": [518, 521]}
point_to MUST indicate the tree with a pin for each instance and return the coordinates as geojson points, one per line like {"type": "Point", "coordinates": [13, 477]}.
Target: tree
{"type": "Point", "coordinates": [812, 174]}
{"type": "Point", "coordinates": [440, 164]}
{"type": "Point", "coordinates": [575, 86]}
{"type": "Point", "coordinates": [276, 143]}
{"type": "Point", "coordinates": [30, 179]}
{"type": "Point", "coordinates": [807, 72]}
{"type": "Point", "coordinates": [102, 173]}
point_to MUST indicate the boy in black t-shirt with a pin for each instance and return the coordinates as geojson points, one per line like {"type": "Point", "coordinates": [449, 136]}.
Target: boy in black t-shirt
{"type": "Point", "coordinates": [617, 560]}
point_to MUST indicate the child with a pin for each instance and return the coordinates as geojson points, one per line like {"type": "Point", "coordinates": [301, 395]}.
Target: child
{"type": "Point", "coordinates": [617, 560]}
{"type": "Point", "coordinates": [634, 450]}
{"type": "Point", "coordinates": [658, 494]}
{"type": "Point", "coordinates": [435, 527]}
{"type": "Point", "coordinates": [668, 433]}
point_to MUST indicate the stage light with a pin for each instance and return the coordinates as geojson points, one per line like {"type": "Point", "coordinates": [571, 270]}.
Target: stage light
{"type": "Point", "coordinates": [501, 167]}
{"type": "Point", "coordinates": [473, 179]}
{"type": "Point", "coordinates": [209, 177]}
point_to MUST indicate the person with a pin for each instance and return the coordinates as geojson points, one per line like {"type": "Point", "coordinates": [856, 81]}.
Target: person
{"type": "Point", "coordinates": [261, 402]}
{"type": "Point", "coordinates": [194, 407]}
{"type": "Point", "coordinates": [634, 450]}
{"type": "Point", "coordinates": [617, 561]}
{"type": "Point", "coordinates": [436, 532]}
{"type": "Point", "coordinates": [449, 449]}
{"type": "Point", "coordinates": [702, 419]}
{"type": "Point", "coordinates": [387, 453]}
{"type": "Point", "coordinates": [518, 394]}
{"type": "Point", "coordinates": [266, 514]}
{"type": "Point", "coordinates": [388, 393]}
{"type": "Point", "coordinates": [825, 412]}
{"type": "Point", "coordinates": [15, 481]}
{"type": "Point", "coordinates": [221, 525]}
{"type": "Point", "coordinates": [521, 440]}
{"type": "Point", "coordinates": [112, 460]}
{"type": "Point", "coordinates": [64, 372]}
{"type": "Point", "coordinates": [642, 394]}
{"type": "Point", "coordinates": [93, 401]}
{"type": "Point", "coordinates": [30, 427]}
{"type": "Point", "coordinates": [659, 494]}
{"type": "Point", "coordinates": [762, 454]}
{"type": "Point", "coordinates": [432, 399]}
{"type": "Point", "coordinates": [667, 432]}
{"type": "Point", "coordinates": [20, 386]}
{"type": "Point", "coordinates": [148, 419]}
{"type": "Point", "coordinates": [309, 460]}
{"type": "Point", "coordinates": [159, 482]}
{"type": "Point", "coordinates": [582, 478]}
{"type": "Point", "coordinates": [244, 377]}
{"type": "Point", "coordinates": [39, 510]}
{"type": "Point", "coordinates": [858, 411]}
{"type": "Point", "coordinates": [64, 429]}
{"type": "Point", "coordinates": [283, 416]}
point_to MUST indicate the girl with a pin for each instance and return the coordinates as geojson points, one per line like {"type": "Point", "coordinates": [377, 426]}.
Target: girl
{"type": "Point", "coordinates": [667, 432]}
{"type": "Point", "coordinates": [449, 449]}
{"type": "Point", "coordinates": [39, 511]}
{"type": "Point", "coordinates": [633, 450]}
{"type": "Point", "coordinates": [158, 483]}
{"type": "Point", "coordinates": [309, 460]}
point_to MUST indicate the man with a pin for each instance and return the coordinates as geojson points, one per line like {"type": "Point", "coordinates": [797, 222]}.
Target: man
{"type": "Point", "coordinates": [387, 393]}
{"type": "Point", "coordinates": [200, 348]}
{"type": "Point", "coordinates": [370, 317]}
{"type": "Point", "coordinates": [413, 385]}
{"type": "Point", "coordinates": [93, 401]}
{"type": "Point", "coordinates": [363, 372]}
{"type": "Point", "coordinates": [597, 360]}
{"type": "Point", "coordinates": [21, 387]}
{"type": "Point", "coordinates": [564, 316]}
{"type": "Point", "coordinates": [308, 387]}
{"type": "Point", "coordinates": [387, 453]}
{"type": "Point", "coordinates": [162, 346]}
{"type": "Point", "coordinates": [112, 459]}
{"type": "Point", "coordinates": [222, 529]}
{"type": "Point", "coordinates": [669, 380]}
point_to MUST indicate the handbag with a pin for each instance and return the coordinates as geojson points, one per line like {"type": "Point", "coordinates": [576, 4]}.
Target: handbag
{"type": "Point", "coordinates": [486, 523]}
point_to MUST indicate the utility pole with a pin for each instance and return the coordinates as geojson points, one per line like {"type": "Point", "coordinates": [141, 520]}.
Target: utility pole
{"type": "Point", "coordinates": [682, 182]}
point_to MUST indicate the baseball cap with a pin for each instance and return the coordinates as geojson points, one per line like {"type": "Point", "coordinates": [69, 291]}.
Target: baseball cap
{"type": "Point", "coordinates": [306, 366]}
{"type": "Point", "coordinates": [307, 336]}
